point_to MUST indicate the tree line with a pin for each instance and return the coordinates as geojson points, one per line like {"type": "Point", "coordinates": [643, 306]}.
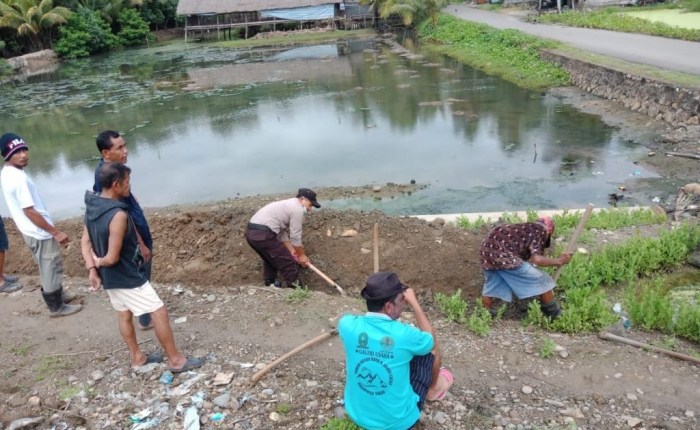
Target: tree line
{"type": "Point", "coordinates": [79, 28]}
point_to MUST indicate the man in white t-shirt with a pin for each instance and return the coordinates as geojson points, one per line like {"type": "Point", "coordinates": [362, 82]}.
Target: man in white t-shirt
{"type": "Point", "coordinates": [35, 224]}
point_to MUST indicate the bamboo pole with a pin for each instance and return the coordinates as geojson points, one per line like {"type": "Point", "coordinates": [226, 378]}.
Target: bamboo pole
{"type": "Point", "coordinates": [674, 354]}
{"type": "Point", "coordinates": [376, 247]}
{"type": "Point", "coordinates": [574, 238]}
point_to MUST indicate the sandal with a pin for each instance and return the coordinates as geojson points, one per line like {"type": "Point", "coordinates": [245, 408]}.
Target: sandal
{"type": "Point", "coordinates": [10, 287]}
{"type": "Point", "coordinates": [156, 357]}
{"type": "Point", "coordinates": [191, 363]}
{"type": "Point", "coordinates": [445, 381]}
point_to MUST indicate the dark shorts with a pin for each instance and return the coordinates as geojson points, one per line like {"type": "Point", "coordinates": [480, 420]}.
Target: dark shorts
{"type": "Point", "coordinates": [4, 242]}
{"type": "Point", "coordinates": [422, 375]}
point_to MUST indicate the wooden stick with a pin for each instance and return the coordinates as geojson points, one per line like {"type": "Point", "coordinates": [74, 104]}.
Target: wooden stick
{"type": "Point", "coordinates": [326, 278]}
{"type": "Point", "coordinates": [318, 339]}
{"type": "Point", "coordinates": [376, 247]}
{"type": "Point", "coordinates": [574, 238]}
{"type": "Point", "coordinates": [680, 356]}
{"type": "Point", "coordinates": [683, 154]}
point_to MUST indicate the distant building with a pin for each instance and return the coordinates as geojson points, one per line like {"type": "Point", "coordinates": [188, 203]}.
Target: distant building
{"type": "Point", "coordinates": [204, 17]}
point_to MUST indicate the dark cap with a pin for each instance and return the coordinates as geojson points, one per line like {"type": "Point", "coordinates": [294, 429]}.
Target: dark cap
{"type": "Point", "coordinates": [381, 286]}
{"type": "Point", "coordinates": [11, 143]}
{"type": "Point", "coordinates": [309, 194]}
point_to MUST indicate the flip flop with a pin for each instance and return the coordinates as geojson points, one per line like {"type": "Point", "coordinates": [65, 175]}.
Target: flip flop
{"type": "Point", "coordinates": [10, 278]}
{"type": "Point", "coordinates": [9, 287]}
{"type": "Point", "coordinates": [155, 357]}
{"type": "Point", "coordinates": [191, 363]}
{"type": "Point", "coordinates": [445, 380]}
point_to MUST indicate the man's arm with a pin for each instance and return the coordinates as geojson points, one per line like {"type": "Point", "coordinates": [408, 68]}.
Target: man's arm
{"type": "Point", "coordinates": [117, 231]}
{"type": "Point", "coordinates": [421, 318]}
{"type": "Point", "coordinates": [541, 260]}
{"type": "Point", "coordinates": [89, 258]}
{"type": "Point", "coordinates": [39, 221]}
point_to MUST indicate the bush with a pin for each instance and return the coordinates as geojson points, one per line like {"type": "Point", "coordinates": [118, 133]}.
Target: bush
{"type": "Point", "coordinates": [134, 30]}
{"type": "Point", "coordinates": [691, 5]}
{"type": "Point", "coordinates": [86, 33]}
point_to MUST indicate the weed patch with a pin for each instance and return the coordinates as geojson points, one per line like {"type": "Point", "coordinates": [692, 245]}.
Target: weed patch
{"type": "Point", "coordinates": [340, 424]}
{"type": "Point", "coordinates": [510, 54]}
{"type": "Point", "coordinates": [455, 309]}
{"type": "Point", "coordinates": [299, 295]}
{"type": "Point", "coordinates": [547, 349]}
{"type": "Point", "coordinates": [48, 366]}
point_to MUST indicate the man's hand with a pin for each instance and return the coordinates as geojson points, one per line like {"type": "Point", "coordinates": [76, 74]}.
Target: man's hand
{"type": "Point", "coordinates": [145, 252]}
{"type": "Point", "coordinates": [303, 260]}
{"type": "Point", "coordinates": [95, 280]}
{"type": "Point", "coordinates": [564, 258]}
{"type": "Point", "coordinates": [62, 238]}
{"type": "Point", "coordinates": [410, 297]}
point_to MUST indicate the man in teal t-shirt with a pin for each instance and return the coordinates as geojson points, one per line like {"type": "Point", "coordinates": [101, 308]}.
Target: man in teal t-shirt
{"type": "Point", "coordinates": [390, 369]}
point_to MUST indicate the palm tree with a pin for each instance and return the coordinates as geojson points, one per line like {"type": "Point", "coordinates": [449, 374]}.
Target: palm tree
{"type": "Point", "coordinates": [34, 20]}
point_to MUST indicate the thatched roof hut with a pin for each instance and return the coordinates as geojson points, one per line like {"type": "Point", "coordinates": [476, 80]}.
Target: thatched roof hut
{"type": "Point", "coordinates": [199, 7]}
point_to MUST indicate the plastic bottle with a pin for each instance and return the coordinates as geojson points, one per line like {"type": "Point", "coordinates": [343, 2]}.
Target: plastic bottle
{"type": "Point", "coordinates": [624, 319]}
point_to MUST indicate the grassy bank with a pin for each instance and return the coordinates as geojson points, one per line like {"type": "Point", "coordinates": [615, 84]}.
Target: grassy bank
{"type": "Point", "coordinates": [633, 272]}
{"type": "Point", "coordinates": [298, 37]}
{"type": "Point", "coordinates": [614, 19]}
{"type": "Point", "coordinates": [510, 54]}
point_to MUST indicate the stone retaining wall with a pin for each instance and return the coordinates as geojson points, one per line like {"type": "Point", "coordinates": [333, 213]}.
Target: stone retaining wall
{"type": "Point", "coordinates": [661, 100]}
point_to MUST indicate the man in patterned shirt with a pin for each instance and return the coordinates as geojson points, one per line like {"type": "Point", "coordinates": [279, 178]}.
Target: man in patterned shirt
{"type": "Point", "coordinates": [508, 256]}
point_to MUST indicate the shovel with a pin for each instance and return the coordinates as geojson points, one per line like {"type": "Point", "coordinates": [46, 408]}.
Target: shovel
{"type": "Point", "coordinates": [326, 278]}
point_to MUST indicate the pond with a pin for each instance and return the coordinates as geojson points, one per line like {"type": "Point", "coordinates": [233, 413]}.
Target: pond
{"type": "Point", "coordinates": [205, 123]}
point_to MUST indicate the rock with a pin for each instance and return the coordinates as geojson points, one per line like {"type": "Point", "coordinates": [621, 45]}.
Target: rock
{"type": "Point", "coordinates": [97, 375]}
{"type": "Point", "coordinates": [24, 423]}
{"type": "Point", "coordinates": [274, 416]}
{"type": "Point", "coordinates": [689, 414]}
{"type": "Point", "coordinates": [36, 401]}
{"type": "Point", "coordinates": [349, 233]}
{"type": "Point", "coordinates": [527, 389]}
{"type": "Point", "coordinates": [631, 396]}
{"type": "Point", "coordinates": [440, 417]}
{"type": "Point", "coordinates": [268, 392]}
{"type": "Point", "coordinates": [376, 188]}
{"type": "Point", "coordinates": [223, 401]}
{"type": "Point", "coordinates": [573, 413]}
{"type": "Point", "coordinates": [634, 422]}
{"type": "Point", "coordinates": [211, 298]}
{"type": "Point", "coordinates": [311, 383]}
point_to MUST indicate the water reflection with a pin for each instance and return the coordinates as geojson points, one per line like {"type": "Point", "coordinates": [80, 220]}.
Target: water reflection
{"type": "Point", "coordinates": [205, 122]}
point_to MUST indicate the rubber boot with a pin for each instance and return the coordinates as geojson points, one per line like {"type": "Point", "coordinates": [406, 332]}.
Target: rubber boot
{"type": "Point", "coordinates": [56, 306]}
{"type": "Point", "coordinates": [551, 309]}
{"type": "Point", "coordinates": [68, 297]}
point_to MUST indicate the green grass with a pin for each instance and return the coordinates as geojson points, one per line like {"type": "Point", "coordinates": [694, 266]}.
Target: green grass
{"type": "Point", "coordinates": [511, 54]}
{"type": "Point", "coordinates": [547, 349]}
{"type": "Point", "coordinates": [48, 366]}
{"type": "Point", "coordinates": [455, 309]}
{"type": "Point", "coordinates": [612, 19]}
{"type": "Point", "coordinates": [283, 408]}
{"type": "Point", "coordinates": [20, 350]}
{"type": "Point", "coordinates": [298, 295]}
{"type": "Point", "coordinates": [340, 424]}
{"type": "Point", "coordinates": [293, 38]}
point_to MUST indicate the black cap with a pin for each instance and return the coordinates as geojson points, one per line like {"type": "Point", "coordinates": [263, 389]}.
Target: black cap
{"type": "Point", "coordinates": [309, 194]}
{"type": "Point", "coordinates": [381, 286]}
{"type": "Point", "coordinates": [11, 143]}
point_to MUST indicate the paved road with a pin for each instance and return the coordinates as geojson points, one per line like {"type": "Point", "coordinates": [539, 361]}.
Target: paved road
{"type": "Point", "coordinates": [671, 54]}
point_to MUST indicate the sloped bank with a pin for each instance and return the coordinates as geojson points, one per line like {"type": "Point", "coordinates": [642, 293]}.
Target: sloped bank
{"type": "Point", "coordinates": [667, 101]}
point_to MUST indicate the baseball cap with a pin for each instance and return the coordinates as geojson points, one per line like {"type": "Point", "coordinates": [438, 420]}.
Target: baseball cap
{"type": "Point", "coordinates": [309, 194]}
{"type": "Point", "coordinates": [382, 285]}
{"type": "Point", "coordinates": [11, 143]}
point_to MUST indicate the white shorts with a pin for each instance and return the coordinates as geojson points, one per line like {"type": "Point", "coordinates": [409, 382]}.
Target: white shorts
{"type": "Point", "coordinates": [141, 300]}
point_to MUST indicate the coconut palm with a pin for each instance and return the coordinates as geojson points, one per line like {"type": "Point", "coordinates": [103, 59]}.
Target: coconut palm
{"type": "Point", "coordinates": [34, 20]}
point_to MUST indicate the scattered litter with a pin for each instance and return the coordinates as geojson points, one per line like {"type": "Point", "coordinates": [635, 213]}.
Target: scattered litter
{"type": "Point", "coordinates": [148, 424]}
{"type": "Point", "coordinates": [24, 422]}
{"type": "Point", "coordinates": [180, 320]}
{"type": "Point", "coordinates": [217, 417]}
{"type": "Point", "coordinates": [598, 173]}
{"type": "Point", "coordinates": [167, 377]}
{"type": "Point", "coordinates": [136, 418]}
{"type": "Point", "coordinates": [246, 365]}
{"type": "Point", "coordinates": [656, 200]}
{"type": "Point", "coordinates": [198, 399]}
{"type": "Point", "coordinates": [191, 419]}
{"type": "Point", "coordinates": [582, 251]}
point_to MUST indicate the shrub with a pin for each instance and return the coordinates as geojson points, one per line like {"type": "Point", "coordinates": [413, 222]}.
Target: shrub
{"type": "Point", "coordinates": [453, 307]}
{"type": "Point", "coordinates": [691, 5]}
{"type": "Point", "coordinates": [86, 33]}
{"type": "Point", "coordinates": [134, 30]}
{"type": "Point", "coordinates": [340, 424]}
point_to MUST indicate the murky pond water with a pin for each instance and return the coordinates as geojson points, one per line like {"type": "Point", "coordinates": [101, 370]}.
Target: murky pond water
{"type": "Point", "coordinates": [205, 123]}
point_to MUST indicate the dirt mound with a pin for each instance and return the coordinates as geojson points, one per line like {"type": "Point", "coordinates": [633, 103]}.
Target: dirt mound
{"type": "Point", "coordinates": [204, 247]}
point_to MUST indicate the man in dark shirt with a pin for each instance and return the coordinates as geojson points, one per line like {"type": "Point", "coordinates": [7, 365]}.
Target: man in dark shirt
{"type": "Point", "coordinates": [508, 256]}
{"type": "Point", "coordinates": [111, 252]}
{"type": "Point", "coordinates": [112, 147]}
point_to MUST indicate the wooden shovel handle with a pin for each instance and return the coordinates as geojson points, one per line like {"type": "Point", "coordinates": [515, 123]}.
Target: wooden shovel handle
{"type": "Point", "coordinates": [574, 238]}
{"type": "Point", "coordinates": [318, 339]}
{"type": "Point", "coordinates": [326, 278]}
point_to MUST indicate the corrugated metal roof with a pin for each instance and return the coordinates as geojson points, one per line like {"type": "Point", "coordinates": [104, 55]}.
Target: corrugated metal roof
{"type": "Point", "coordinates": [194, 7]}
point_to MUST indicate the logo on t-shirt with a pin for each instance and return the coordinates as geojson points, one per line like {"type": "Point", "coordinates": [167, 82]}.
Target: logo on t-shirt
{"type": "Point", "coordinates": [373, 376]}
